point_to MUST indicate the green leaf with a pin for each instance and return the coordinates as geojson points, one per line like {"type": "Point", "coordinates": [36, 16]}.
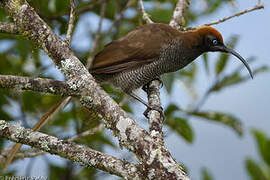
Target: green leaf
{"type": "Point", "coordinates": [254, 170]}
{"type": "Point", "coordinates": [263, 145]}
{"type": "Point", "coordinates": [182, 127]}
{"type": "Point", "coordinates": [170, 110]}
{"type": "Point", "coordinates": [110, 9]}
{"type": "Point", "coordinates": [205, 62]}
{"type": "Point", "coordinates": [127, 108]}
{"type": "Point", "coordinates": [189, 73]}
{"type": "Point", "coordinates": [261, 69]}
{"type": "Point", "coordinates": [206, 175]}
{"type": "Point", "coordinates": [57, 172]}
{"type": "Point", "coordinates": [222, 118]}
{"type": "Point", "coordinates": [221, 63]}
{"type": "Point", "coordinates": [161, 15]}
{"type": "Point", "coordinates": [226, 81]}
{"type": "Point", "coordinates": [236, 78]}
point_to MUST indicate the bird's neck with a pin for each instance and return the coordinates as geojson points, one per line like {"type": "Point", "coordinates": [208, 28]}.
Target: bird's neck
{"type": "Point", "coordinates": [176, 55]}
{"type": "Point", "coordinates": [192, 39]}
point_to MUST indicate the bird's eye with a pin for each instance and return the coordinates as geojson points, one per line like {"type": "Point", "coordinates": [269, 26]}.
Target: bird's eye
{"type": "Point", "coordinates": [215, 42]}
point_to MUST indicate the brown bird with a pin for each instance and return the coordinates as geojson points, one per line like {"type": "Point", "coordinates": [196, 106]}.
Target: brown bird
{"type": "Point", "coordinates": [146, 53]}
{"type": "Point", "coordinates": [152, 50]}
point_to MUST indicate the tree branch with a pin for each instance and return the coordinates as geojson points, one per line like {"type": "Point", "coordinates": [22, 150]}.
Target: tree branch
{"type": "Point", "coordinates": [71, 21]}
{"type": "Point", "coordinates": [83, 155]}
{"type": "Point", "coordinates": [87, 133]}
{"type": "Point", "coordinates": [145, 15]}
{"type": "Point", "coordinates": [7, 27]}
{"type": "Point", "coordinates": [44, 119]}
{"type": "Point", "coordinates": [178, 14]}
{"type": "Point", "coordinates": [120, 17]}
{"type": "Point", "coordinates": [155, 118]}
{"type": "Point", "coordinates": [257, 7]}
{"type": "Point", "coordinates": [20, 83]}
{"type": "Point", "coordinates": [30, 153]}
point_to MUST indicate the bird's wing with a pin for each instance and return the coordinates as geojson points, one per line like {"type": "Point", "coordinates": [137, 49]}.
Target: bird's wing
{"type": "Point", "coordinates": [140, 46]}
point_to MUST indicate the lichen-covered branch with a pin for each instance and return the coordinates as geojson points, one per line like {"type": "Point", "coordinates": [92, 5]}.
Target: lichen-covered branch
{"type": "Point", "coordinates": [7, 27]}
{"type": "Point", "coordinates": [43, 85]}
{"type": "Point", "coordinates": [155, 158]}
{"type": "Point", "coordinates": [178, 14]}
{"type": "Point", "coordinates": [33, 152]}
{"type": "Point", "coordinates": [155, 118]}
{"type": "Point", "coordinates": [83, 155]}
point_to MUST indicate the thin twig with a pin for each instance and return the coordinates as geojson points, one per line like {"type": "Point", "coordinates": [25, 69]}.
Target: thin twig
{"type": "Point", "coordinates": [71, 21]}
{"type": "Point", "coordinates": [94, 130]}
{"type": "Point", "coordinates": [44, 119]}
{"type": "Point", "coordinates": [257, 7]}
{"type": "Point", "coordinates": [120, 17]}
{"type": "Point", "coordinates": [145, 15]}
{"type": "Point", "coordinates": [96, 40]}
{"type": "Point", "coordinates": [31, 153]}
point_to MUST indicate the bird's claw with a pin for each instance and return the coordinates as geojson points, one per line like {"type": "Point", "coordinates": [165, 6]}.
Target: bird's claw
{"type": "Point", "coordinates": [156, 108]}
{"type": "Point", "coordinates": [146, 86]}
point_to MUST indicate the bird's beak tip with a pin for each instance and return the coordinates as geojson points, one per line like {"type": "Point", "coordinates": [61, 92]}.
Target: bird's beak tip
{"type": "Point", "coordinates": [231, 51]}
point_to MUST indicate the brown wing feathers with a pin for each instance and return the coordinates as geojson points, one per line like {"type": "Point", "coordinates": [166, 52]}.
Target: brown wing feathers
{"type": "Point", "coordinates": [140, 46]}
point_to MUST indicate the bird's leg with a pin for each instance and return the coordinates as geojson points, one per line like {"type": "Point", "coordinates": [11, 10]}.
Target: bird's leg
{"type": "Point", "coordinates": [160, 109]}
{"type": "Point", "coordinates": [149, 107]}
{"type": "Point", "coordinates": [146, 86]}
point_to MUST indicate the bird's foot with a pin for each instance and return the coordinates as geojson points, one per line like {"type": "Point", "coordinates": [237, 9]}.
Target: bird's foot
{"type": "Point", "coordinates": [146, 86]}
{"type": "Point", "coordinates": [156, 108]}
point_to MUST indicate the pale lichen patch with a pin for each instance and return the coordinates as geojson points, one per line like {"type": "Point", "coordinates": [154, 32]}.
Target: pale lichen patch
{"type": "Point", "coordinates": [154, 154]}
{"type": "Point", "coordinates": [51, 89]}
{"type": "Point", "coordinates": [3, 124]}
{"type": "Point", "coordinates": [19, 133]}
{"type": "Point", "coordinates": [67, 63]}
{"type": "Point", "coordinates": [23, 7]}
{"type": "Point", "coordinates": [122, 126]}
{"type": "Point", "coordinates": [151, 174]}
{"type": "Point", "coordinates": [154, 133]}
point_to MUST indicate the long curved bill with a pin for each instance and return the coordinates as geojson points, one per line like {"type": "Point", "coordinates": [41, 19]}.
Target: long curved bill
{"type": "Point", "coordinates": [231, 51]}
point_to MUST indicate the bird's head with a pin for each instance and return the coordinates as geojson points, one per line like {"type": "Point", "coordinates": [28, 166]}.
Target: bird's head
{"type": "Point", "coordinates": [211, 41]}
